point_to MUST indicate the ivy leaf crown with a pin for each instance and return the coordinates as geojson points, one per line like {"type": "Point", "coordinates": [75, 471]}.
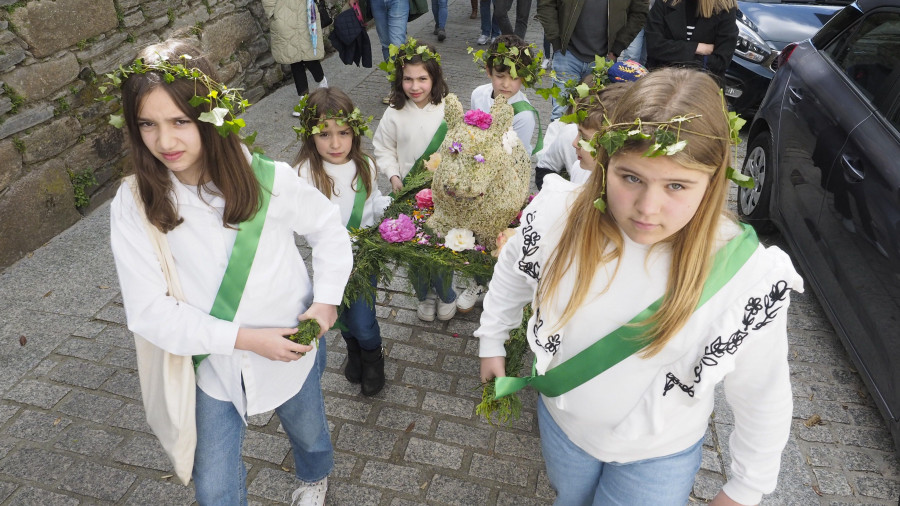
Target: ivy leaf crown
{"type": "Point", "coordinates": [223, 104]}
{"type": "Point", "coordinates": [524, 62]}
{"type": "Point", "coordinates": [312, 123]}
{"type": "Point", "coordinates": [397, 55]}
{"type": "Point", "coordinates": [579, 95]}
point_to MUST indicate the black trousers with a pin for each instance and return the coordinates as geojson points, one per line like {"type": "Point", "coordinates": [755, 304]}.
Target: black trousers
{"type": "Point", "coordinates": [501, 16]}
{"type": "Point", "coordinates": [298, 70]}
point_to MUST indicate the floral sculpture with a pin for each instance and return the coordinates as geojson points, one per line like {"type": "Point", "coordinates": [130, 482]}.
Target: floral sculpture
{"type": "Point", "coordinates": [483, 175]}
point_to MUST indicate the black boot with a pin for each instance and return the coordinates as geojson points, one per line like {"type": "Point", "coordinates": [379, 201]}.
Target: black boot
{"type": "Point", "coordinates": [372, 371]}
{"type": "Point", "coordinates": [353, 369]}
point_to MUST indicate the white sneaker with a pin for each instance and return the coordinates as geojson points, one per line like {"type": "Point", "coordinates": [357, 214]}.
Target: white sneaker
{"type": "Point", "coordinates": [546, 63]}
{"type": "Point", "coordinates": [295, 114]}
{"type": "Point", "coordinates": [426, 310]}
{"type": "Point", "coordinates": [310, 494]}
{"type": "Point", "coordinates": [483, 39]}
{"type": "Point", "coordinates": [472, 295]}
{"type": "Point", "coordinates": [323, 83]}
{"type": "Point", "coordinates": [445, 310]}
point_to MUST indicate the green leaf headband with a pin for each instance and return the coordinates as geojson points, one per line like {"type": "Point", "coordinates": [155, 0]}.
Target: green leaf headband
{"type": "Point", "coordinates": [579, 95]}
{"type": "Point", "coordinates": [514, 58]}
{"type": "Point", "coordinates": [665, 139]}
{"type": "Point", "coordinates": [224, 102]}
{"type": "Point", "coordinates": [312, 123]}
{"type": "Point", "coordinates": [406, 52]}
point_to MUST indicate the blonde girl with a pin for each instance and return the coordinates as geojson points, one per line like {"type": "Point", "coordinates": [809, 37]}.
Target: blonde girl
{"type": "Point", "coordinates": [198, 188]}
{"type": "Point", "coordinates": [332, 160]}
{"type": "Point", "coordinates": [619, 265]}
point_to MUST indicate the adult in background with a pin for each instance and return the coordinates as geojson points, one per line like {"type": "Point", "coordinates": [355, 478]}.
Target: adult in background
{"type": "Point", "coordinates": [698, 33]}
{"type": "Point", "coordinates": [501, 16]}
{"type": "Point", "coordinates": [439, 10]}
{"type": "Point", "coordinates": [579, 30]}
{"type": "Point", "coordinates": [391, 17]}
{"type": "Point", "coordinates": [297, 40]}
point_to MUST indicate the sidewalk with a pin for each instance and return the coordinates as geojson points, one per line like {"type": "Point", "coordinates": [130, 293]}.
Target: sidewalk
{"type": "Point", "coordinates": [72, 428]}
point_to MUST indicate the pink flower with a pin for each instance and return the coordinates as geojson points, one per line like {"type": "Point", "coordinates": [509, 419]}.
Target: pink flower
{"type": "Point", "coordinates": [479, 158]}
{"type": "Point", "coordinates": [455, 147]}
{"type": "Point", "coordinates": [398, 230]}
{"type": "Point", "coordinates": [424, 198]}
{"type": "Point", "coordinates": [478, 118]}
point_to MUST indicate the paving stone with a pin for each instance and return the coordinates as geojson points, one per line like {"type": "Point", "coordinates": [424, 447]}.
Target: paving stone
{"type": "Point", "coordinates": [116, 335]}
{"type": "Point", "coordinates": [274, 485]}
{"type": "Point", "coordinates": [88, 441]}
{"type": "Point", "coordinates": [404, 502]}
{"type": "Point", "coordinates": [543, 488]}
{"type": "Point", "coordinates": [35, 464]}
{"type": "Point", "coordinates": [448, 405]}
{"type": "Point", "coordinates": [707, 485]}
{"type": "Point", "coordinates": [399, 478]}
{"type": "Point", "coordinates": [6, 490]}
{"type": "Point", "coordinates": [124, 383]}
{"type": "Point", "coordinates": [471, 387]}
{"type": "Point", "coordinates": [37, 393]}
{"type": "Point", "coordinates": [401, 351]}
{"type": "Point", "coordinates": [492, 468]}
{"type": "Point", "coordinates": [400, 419]}
{"type": "Point", "coordinates": [866, 416]}
{"type": "Point", "coordinates": [710, 460]}
{"type": "Point", "coordinates": [467, 366]}
{"type": "Point", "coordinates": [383, 312]}
{"type": "Point", "coordinates": [448, 490]}
{"type": "Point", "coordinates": [367, 441]}
{"type": "Point", "coordinates": [102, 482]}
{"type": "Point", "coordinates": [89, 406]}
{"type": "Point", "coordinates": [143, 451]}
{"type": "Point", "coordinates": [466, 435]}
{"type": "Point", "coordinates": [27, 496]}
{"type": "Point", "coordinates": [130, 417]}
{"type": "Point", "coordinates": [826, 410]}
{"type": "Point", "coordinates": [518, 445]}
{"type": "Point", "coordinates": [832, 456]}
{"type": "Point", "coordinates": [347, 409]}
{"type": "Point", "coordinates": [113, 313]}
{"type": "Point", "coordinates": [433, 453]}
{"type": "Point", "coordinates": [344, 464]}
{"type": "Point", "coordinates": [121, 358]}
{"type": "Point", "coordinates": [261, 419]}
{"type": "Point", "coordinates": [832, 482]}
{"type": "Point", "coordinates": [871, 486]}
{"type": "Point", "coordinates": [89, 329]}
{"type": "Point", "coordinates": [6, 445]}
{"type": "Point", "coordinates": [422, 378]}
{"type": "Point", "coordinates": [258, 445]}
{"type": "Point", "coordinates": [440, 341]}
{"type": "Point", "coordinates": [337, 383]}
{"type": "Point", "coordinates": [43, 367]}
{"type": "Point", "coordinates": [878, 439]}
{"type": "Point", "coordinates": [38, 427]}
{"type": "Point", "coordinates": [7, 411]}
{"type": "Point", "coordinates": [81, 373]}
{"type": "Point", "coordinates": [399, 394]}
{"type": "Point", "coordinates": [158, 492]}
{"type": "Point", "coordinates": [82, 348]}
{"type": "Point", "coordinates": [816, 434]}
{"type": "Point", "coordinates": [341, 493]}
{"type": "Point", "coordinates": [405, 301]}
{"type": "Point", "coordinates": [464, 328]}
{"type": "Point", "coordinates": [394, 332]}
{"type": "Point", "coordinates": [409, 317]}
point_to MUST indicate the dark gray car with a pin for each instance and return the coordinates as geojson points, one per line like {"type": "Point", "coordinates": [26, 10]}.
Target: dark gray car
{"type": "Point", "coordinates": [824, 148]}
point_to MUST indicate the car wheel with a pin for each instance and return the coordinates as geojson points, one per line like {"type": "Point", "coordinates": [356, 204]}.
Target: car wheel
{"type": "Point", "coordinates": [753, 203]}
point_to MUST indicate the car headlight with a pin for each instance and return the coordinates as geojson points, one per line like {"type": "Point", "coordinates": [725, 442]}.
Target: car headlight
{"type": "Point", "coordinates": [750, 46]}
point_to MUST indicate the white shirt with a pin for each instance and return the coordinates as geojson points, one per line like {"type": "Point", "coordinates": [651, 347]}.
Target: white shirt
{"type": "Point", "coordinates": [635, 410]}
{"type": "Point", "coordinates": [560, 154]}
{"type": "Point", "coordinates": [277, 290]}
{"type": "Point", "coordinates": [344, 194]}
{"type": "Point", "coordinates": [402, 136]}
{"type": "Point", "coordinates": [523, 123]}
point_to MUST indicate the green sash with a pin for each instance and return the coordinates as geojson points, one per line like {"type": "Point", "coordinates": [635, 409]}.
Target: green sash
{"type": "Point", "coordinates": [358, 203]}
{"type": "Point", "coordinates": [433, 146]}
{"type": "Point", "coordinates": [626, 340]}
{"type": "Point", "coordinates": [244, 250]}
{"type": "Point", "coordinates": [522, 106]}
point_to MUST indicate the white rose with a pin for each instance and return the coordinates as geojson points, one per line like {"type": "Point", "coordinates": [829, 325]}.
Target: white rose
{"type": "Point", "coordinates": [460, 239]}
{"type": "Point", "coordinates": [509, 140]}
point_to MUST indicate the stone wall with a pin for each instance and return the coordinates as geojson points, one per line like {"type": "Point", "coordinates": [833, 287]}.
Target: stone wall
{"type": "Point", "coordinates": [59, 157]}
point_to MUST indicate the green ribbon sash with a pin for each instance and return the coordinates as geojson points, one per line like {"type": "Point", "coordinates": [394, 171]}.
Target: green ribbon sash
{"type": "Point", "coordinates": [523, 106]}
{"type": "Point", "coordinates": [358, 203]}
{"type": "Point", "coordinates": [433, 146]}
{"type": "Point", "coordinates": [244, 250]}
{"type": "Point", "coordinates": [627, 339]}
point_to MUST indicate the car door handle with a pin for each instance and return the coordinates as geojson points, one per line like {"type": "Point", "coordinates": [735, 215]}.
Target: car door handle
{"type": "Point", "coordinates": [852, 172]}
{"type": "Point", "coordinates": [795, 94]}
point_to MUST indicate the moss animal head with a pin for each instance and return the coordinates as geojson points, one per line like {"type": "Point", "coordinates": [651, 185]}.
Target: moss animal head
{"type": "Point", "coordinates": [482, 180]}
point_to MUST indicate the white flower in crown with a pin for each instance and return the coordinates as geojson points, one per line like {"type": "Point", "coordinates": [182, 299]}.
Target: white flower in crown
{"type": "Point", "coordinates": [509, 141]}
{"type": "Point", "coordinates": [460, 239]}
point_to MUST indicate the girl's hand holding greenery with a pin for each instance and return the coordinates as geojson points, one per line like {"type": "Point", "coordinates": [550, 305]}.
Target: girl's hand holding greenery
{"type": "Point", "coordinates": [270, 343]}
{"type": "Point", "coordinates": [492, 367]}
{"type": "Point", "coordinates": [324, 314]}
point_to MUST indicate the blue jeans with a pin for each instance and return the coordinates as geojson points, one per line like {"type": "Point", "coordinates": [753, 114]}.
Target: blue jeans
{"type": "Point", "coordinates": [581, 480]}
{"type": "Point", "coordinates": [636, 50]}
{"type": "Point", "coordinates": [391, 17]}
{"type": "Point", "coordinates": [489, 28]}
{"type": "Point", "coordinates": [425, 279]}
{"type": "Point", "coordinates": [439, 9]}
{"type": "Point", "coordinates": [220, 477]}
{"type": "Point", "coordinates": [567, 66]}
{"type": "Point", "coordinates": [359, 318]}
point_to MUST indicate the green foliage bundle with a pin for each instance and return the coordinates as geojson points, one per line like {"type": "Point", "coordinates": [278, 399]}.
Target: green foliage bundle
{"type": "Point", "coordinates": [509, 408]}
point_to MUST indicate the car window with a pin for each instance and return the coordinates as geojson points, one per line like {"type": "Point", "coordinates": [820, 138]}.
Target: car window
{"type": "Point", "coordinates": [870, 56]}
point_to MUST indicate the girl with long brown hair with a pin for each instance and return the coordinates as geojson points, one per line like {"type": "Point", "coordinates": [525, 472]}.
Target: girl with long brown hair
{"type": "Point", "coordinates": [201, 190]}
{"type": "Point", "coordinates": [646, 294]}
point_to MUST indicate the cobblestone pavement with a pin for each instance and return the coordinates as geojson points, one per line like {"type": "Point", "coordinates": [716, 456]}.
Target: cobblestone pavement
{"type": "Point", "coordinates": [72, 428]}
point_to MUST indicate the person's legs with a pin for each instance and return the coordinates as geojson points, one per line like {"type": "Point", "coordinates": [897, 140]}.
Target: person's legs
{"type": "Point", "coordinates": [303, 419]}
{"type": "Point", "coordinates": [398, 17]}
{"type": "Point", "coordinates": [663, 481]}
{"type": "Point", "coordinates": [523, 9]}
{"type": "Point", "coordinates": [442, 281]}
{"type": "Point", "coordinates": [315, 68]}
{"type": "Point", "coordinates": [485, 8]}
{"type": "Point", "coordinates": [219, 473]}
{"type": "Point", "coordinates": [362, 325]}
{"type": "Point", "coordinates": [501, 16]}
{"type": "Point", "coordinates": [635, 50]}
{"type": "Point", "coordinates": [572, 472]}
{"type": "Point", "coordinates": [439, 10]}
{"type": "Point", "coordinates": [567, 66]}
{"type": "Point", "coordinates": [298, 71]}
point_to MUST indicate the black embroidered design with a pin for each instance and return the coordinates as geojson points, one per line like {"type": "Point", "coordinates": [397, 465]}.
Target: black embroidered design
{"type": "Point", "coordinates": [529, 248]}
{"type": "Point", "coordinates": [552, 344]}
{"type": "Point", "coordinates": [769, 305]}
